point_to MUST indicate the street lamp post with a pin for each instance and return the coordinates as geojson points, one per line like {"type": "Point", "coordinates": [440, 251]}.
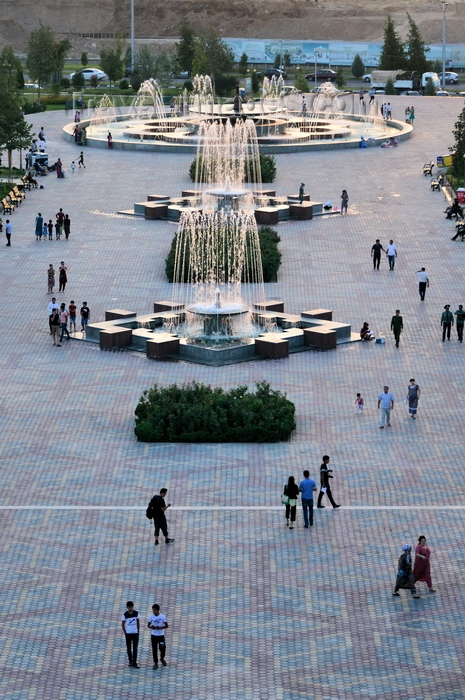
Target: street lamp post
{"type": "Point", "coordinates": [444, 8]}
{"type": "Point", "coordinates": [132, 36]}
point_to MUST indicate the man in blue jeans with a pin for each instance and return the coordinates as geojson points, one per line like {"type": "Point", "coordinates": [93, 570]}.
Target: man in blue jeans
{"type": "Point", "coordinates": [307, 486]}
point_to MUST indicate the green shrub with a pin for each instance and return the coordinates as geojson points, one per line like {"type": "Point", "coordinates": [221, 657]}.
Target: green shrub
{"type": "Point", "coordinates": [124, 84]}
{"type": "Point", "coordinates": [197, 413]}
{"type": "Point", "coordinates": [32, 107]}
{"type": "Point", "coordinates": [78, 80]}
{"type": "Point", "coordinates": [389, 88]}
{"type": "Point", "coordinates": [225, 85]}
{"type": "Point", "coordinates": [56, 89]}
{"type": "Point", "coordinates": [269, 253]}
{"type": "Point", "coordinates": [267, 168]}
{"type": "Point", "coordinates": [65, 83]}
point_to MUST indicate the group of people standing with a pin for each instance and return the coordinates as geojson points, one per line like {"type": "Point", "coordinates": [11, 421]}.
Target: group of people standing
{"type": "Point", "coordinates": [59, 317]}
{"type": "Point", "coordinates": [44, 230]}
{"type": "Point", "coordinates": [306, 487]}
{"type": "Point", "coordinates": [62, 277]}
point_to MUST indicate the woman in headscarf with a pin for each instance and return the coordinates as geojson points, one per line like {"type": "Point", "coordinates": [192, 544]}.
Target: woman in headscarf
{"type": "Point", "coordinates": [422, 566]}
{"type": "Point", "coordinates": [404, 578]}
{"type": "Point", "coordinates": [413, 394]}
{"type": "Point", "coordinates": [291, 490]}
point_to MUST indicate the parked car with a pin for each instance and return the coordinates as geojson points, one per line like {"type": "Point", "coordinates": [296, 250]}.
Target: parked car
{"type": "Point", "coordinates": [449, 78]}
{"type": "Point", "coordinates": [89, 72]}
{"type": "Point", "coordinates": [334, 90]}
{"type": "Point", "coordinates": [322, 74]}
{"type": "Point", "coordinates": [367, 78]}
{"type": "Point", "coordinates": [270, 72]}
{"type": "Point", "coordinates": [442, 93]}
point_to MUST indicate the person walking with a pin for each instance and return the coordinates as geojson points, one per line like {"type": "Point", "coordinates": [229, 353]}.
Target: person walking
{"type": "Point", "coordinates": [50, 279]}
{"type": "Point", "coordinates": [291, 491]}
{"type": "Point", "coordinates": [157, 508]}
{"type": "Point", "coordinates": [306, 487]}
{"type": "Point", "coordinates": [85, 316]}
{"type": "Point", "coordinates": [360, 404]}
{"type": "Point", "coordinates": [447, 321]}
{"type": "Point", "coordinates": [460, 320]}
{"type": "Point", "coordinates": [301, 192]}
{"type": "Point", "coordinates": [397, 326]}
{"type": "Point", "coordinates": [372, 95]}
{"type": "Point", "coordinates": [304, 106]}
{"type": "Point", "coordinates": [423, 282]}
{"type": "Point", "coordinates": [376, 249]}
{"type": "Point", "coordinates": [8, 232]}
{"type": "Point", "coordinates": [391, 252]}
{"type": "Point", "coordinates": [64, 315]}
{"type": "Point", "coordinates": [386, 402]}
{"type": "Point", "coordinates": [325, 476]}
{"type": "Point", "coordinates": [39, 226]}
{"type": "Point", "coordinates": [62, 277]}
{"type": "Point", "coordinates": [413, 394]}
{"type": "Point", "coordinates": [54, 322]}
{"type": "Point", "coordinates": [404, 577]}
{"type": "Point", "coordinates": [422, 565]}
{"type": "Point", "coordinates": [344, 201]}
{"type": "Point", "coordinates": [81, 160]}
{"type": "Point", "coordinates": [130, 622]}
{"type": "Point", "coordinates": [157, 624]}
{"type": "Point", "coordinates": [109, 140]}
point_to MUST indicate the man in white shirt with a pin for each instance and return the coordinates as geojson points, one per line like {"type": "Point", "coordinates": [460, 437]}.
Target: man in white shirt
{"type": "Point", "coordinates": [157, 625]}
{"type": "Point", "coordinates": [423, 282]}
{"type": "Point", "coordinates": [130, 622]}
{"type": "Point", "coordinates": [391, 252]}
{"type": "Point", "coordinates": [386, 401]}
{"type": "Point", "coordinates": [8, 232]}
{"type": "Point", "coordinates": [51, 308]}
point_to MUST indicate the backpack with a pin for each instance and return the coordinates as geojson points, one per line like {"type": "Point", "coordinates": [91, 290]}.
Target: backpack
{"type": "Point", "coordinates": [149, 511]}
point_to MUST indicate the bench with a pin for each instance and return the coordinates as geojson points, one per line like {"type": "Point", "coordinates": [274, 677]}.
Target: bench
{"type": "Point", "coordinates": [16, 201]}
{"type": "Point", "coordinates": [162, 345]}
{"type": "Point", "coordinates": [115, 338]}
{"type": "Point", "coordinates": [303, 211]}
{"type": "Point", "coordinates": [8, 208]}
{"type": "Point", "coordinates": [428, 168]}
{"type": "Point", "coordinates": [274, 346]}
{"type": "Point", "coordinates": [267, 215]}
{"type": "Point", "coordinates": [17, 193]}
{"type": "Point", "coordinates": [435, 184]}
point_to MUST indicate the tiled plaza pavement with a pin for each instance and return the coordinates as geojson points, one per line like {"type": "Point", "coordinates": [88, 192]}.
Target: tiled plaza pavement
{"type": "Point", "coordinates": [255, 611]}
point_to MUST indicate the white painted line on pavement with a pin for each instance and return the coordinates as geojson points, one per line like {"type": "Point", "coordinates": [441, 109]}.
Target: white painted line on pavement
{"type": "Point", "coordinates": [230, 508]}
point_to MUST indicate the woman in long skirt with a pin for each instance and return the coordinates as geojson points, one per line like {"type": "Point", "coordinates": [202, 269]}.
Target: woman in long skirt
{"type": "Point", "coordinates": [404, 577]}
{"type": "Point", "coordinates": [413, 394]}
{"type": "Point", "coordinates": [422, 565]}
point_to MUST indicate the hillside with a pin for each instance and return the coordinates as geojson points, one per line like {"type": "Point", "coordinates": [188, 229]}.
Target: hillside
{"type": "Point", "coordinates": [349, 20]}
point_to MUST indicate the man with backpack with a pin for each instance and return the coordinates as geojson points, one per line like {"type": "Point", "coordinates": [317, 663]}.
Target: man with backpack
{"type": "Point", "coordinates": [156, 512]}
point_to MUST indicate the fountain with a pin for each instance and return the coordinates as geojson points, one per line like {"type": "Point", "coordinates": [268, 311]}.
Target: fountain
{"type": "Point", "coordinates": [331, 120]}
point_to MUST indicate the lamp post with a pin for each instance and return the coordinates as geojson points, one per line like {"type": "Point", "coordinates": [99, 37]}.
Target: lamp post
{"type": "Point", "coordinates": [132, 36]}
{"type": "Point", "coordinates": [444, 8]}
{"type": "Point", "coordinates": [317, 53]}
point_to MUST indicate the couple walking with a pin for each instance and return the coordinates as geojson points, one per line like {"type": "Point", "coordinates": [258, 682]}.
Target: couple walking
{"type": "Point", "coordinates": [407, 576]}
{"type": "Point", "coordinates": [306, 487]}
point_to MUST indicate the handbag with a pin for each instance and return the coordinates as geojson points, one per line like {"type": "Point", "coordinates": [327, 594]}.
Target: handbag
{"type": "Point", "coordinates": [284, 500]}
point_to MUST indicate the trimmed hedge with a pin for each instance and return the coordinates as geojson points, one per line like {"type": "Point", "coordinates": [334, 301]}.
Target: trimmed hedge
{"type": "Point", "coordinates": [267, 167]}
{"type": "Point", "coordinates": [197, 413]}
{"type": "Point", "coordinates": [269, 251]}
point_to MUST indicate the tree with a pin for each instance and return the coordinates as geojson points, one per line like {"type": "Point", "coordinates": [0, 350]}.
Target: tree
{"type": "Point", "coordinates": [145, 65]}
{"type": "Point", "coordinates": [10, 69]}
{"type": "Point", "coordinates": [212, 56]}
{"type": "Point", "coordinates": [416, 49]}
{"type": "Point", "coordinates": [84, 59]}
{"type": "Point", "coordinates": [277, 61]}
{"type": "Point", "coordinates": [389, 88]}
{"type": "Point", "coordinates": [287, 59]}
{"type": "Point", "coordinates": [111, 61]}
{"type": "Point", "coordinates": [358, 67]}
{"type": "Point", "coordinates": [339, 79]}
{"type": "Point", "coordinates": [93, 82]}
{"type": "Point", "coordinates": [185, 50]}
{"type": "Point", "coordinates": [459, 146]}
{"type": "Point", "coordinates": [437, 65]}
{"type": "Point", "coordinates": [15, 133]}
{"type": "Point", "coordinates": [430, 90]}
{"type": "Point", "coordinates": [78, 80]}
{"type": "Point", "coordinates": [392, 52]}
{"type": "Point", "coordinates": [243, 64]}
{"type": "Point", "coordinates": [41, 58]}
{"type": "Point", "coordinates": [61, 49]}
{"type": "Point", "coordinates": [300, 82]}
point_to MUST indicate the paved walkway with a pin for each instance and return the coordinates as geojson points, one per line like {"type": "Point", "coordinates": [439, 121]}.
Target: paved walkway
{"type": "Point", "coordinates": [256, 612]}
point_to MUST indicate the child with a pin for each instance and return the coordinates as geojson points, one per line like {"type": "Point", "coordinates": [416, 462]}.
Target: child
{"type": "Point", "coordinates": [50, 230]}
{"type": "Point", "coordinates": [45, 231]}
{"type": "Point", "coordinates": [359, 403]}
{"type": "Point", "coordinates": [72, 315]}
{"type": "Point", "coordinates": [57, 230]}
{"type": "Point", "coordinates": [73, 167]}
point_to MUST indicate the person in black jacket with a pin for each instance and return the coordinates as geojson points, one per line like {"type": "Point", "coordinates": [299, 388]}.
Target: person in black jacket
{"type": "Point", "coordinates": [291, 490]}
{"type": "Point", "coordinates": [157, 507]}
{"type": "Point", "coordinates": [325, 476]}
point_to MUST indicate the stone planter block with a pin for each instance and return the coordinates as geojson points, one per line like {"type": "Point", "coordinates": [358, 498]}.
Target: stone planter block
{"type": "Point", "coordinates": [275, 347]}
{"type": "Point", "coordinates": [162, 346]}
{"type": "Point", "coordinates": [115, 338]}
{"type": "Point", "coordinates": [302, 211]}
{"type": "Point", "coordinates": [322, 314]}
{"type": "Point", "coordinates": [320, 338]}
{"type": "Point", "coordinates": [113, 314]}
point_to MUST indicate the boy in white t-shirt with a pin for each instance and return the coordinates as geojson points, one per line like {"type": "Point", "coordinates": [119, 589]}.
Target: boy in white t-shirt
{"type": "Point", "coordinates": [131, 628]}
{"type": "Point", "coordinates": [157, 624]}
